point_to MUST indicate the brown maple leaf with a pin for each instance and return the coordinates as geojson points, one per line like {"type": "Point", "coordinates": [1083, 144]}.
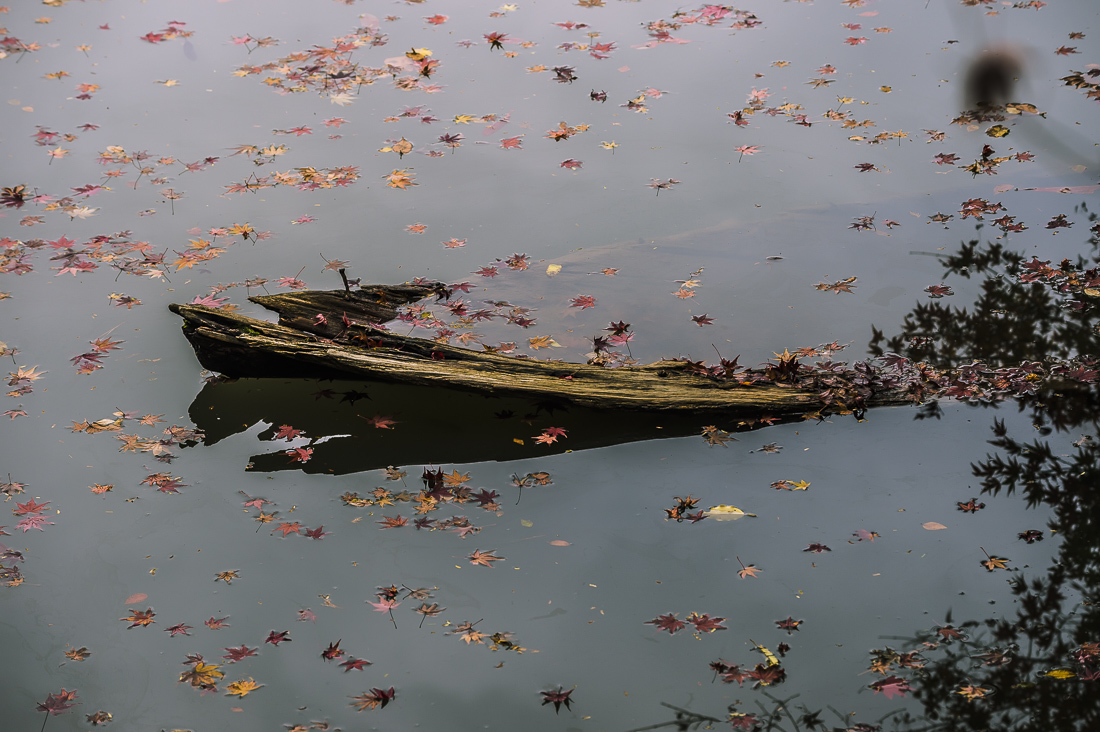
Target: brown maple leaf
{"type": "Point", "coordinates": [139, 617]}
{"type": "Point", "coordinates": [392, 522]}
{"type": "Point", "coordinates": [749, 571]}
{"type": "Point", "coordinates": [485, 559]}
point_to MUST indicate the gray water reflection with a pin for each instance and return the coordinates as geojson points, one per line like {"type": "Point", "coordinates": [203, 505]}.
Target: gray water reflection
{"type": "Point", "coordinates": [582, 606]}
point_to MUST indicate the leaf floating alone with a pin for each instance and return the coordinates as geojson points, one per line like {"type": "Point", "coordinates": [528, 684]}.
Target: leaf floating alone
{"type": "Point", "coordinates": [557, 698]}
{"type": "Point", "coordinates": [485, 559]}
{"type": "Point", "coordinates": [374, 699]}
{"type": "Point", "coordinates": [724, 512]}
{"type": "Point", "coordinates": [933, 526]}
{"type": "Point", "coordinates": [749, 571]}
{"type": "Point", "coordinates": [971, 692]}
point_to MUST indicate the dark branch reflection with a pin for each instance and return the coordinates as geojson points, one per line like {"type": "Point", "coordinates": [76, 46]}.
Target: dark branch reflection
{"type": "Point", "coordinates": [1031, 670]}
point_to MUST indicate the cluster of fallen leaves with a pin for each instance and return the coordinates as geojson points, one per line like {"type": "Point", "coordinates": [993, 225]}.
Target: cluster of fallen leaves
{"type": "Point", "coordinates": [442, 490]}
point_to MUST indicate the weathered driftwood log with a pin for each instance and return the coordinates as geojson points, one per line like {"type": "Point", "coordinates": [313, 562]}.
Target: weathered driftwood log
{"type": "Point", "coordinates": [332, 334]}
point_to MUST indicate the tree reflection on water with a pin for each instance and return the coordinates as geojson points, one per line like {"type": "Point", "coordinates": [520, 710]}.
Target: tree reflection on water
{"type": "Point", "coordinates": [1028, 671]}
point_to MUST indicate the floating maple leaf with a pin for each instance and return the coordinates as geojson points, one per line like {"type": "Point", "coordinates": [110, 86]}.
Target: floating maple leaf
{"type": "Point", "coordinates": [744, 150]}
{"type": "Point", "coordinates": [33, 522]}
{"type": "Point", "coordinates": [993, 562]}
{"type": "Point", "coordinates": [139, 617]}
{"type": "Point", "coordinates": [971, 506]}
{"type": "Point", "coordinates": [971, 692]}
{"type": "Point", "coordinates": [276, 638]}
{"type": "Point", "coordinates": [667, 622]}
{"type": "Point", "coordinates": [302, 454]}
{"type": "Point", "coordinates": [354, 663]}
{"type": "Point", "coordinates": [201, 675]}
{"type": "Point", "coordinates": [659, 184]}
{"type": "Point", "coordinates": [57, 703]}
{"type": "Point", "coordinates": [557, 698]}
{"type": "Point", "coordinates": [891, 686]}
{"type": "Point", "coordinates": [333, 651]}
{"type": "Point", "coordinates": [373, 699]}
{"type": "Point", "coordinates": [790, 624]}
{"type": "Point", "coordinates": [938, 291]}
{"type": "Point", "coordinates": [749, 571]}
{"type": "Point", "coordinates": [705, 623]}
{"type": "Point", "coordinates": [236, 654]}
{"type": "Point", "coordinates": [485, 559]}
{"type": "Point", "coordinates": [242, 687]}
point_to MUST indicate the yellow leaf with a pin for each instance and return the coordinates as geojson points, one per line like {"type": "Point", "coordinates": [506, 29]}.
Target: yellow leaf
{"type": "Point", "coordinates": [772, 660]}
{"type": "Point", "coordinates": [553, 269]}
{"type": "Point", "coordinates": [997, 131]}
{"type": "Point", "coordinates": [725, 512]}
{"type": "Point", "coordinates": [886, 89]}
{"type": "Point", "coordinates": [242, 688]}
{"type": "Point", "coordinates": [1060, 673]}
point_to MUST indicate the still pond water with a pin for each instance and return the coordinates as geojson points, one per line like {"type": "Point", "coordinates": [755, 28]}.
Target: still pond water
{"type": "Point", "coordinates": [740, 181]}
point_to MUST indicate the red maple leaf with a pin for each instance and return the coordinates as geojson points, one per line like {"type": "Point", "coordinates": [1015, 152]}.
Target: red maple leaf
{"type": "Point", "coordinates": [667, 622]}
{"type": "Point", "coordinates": [288, 527]}
{"type": "Point", "coordinates": [216, 623]}
{"type": "Point", "coordinates": [512, 142]}
{"type": "Point", "coordinates": [276, 638]}
{"type": "Point", "coordinates": [557, 698]}
{"type": "Point", "coordinates": [57, 703]}
{"type": "Point", "coordinates": [767, 675]}
{"type": "Point", "coordinates": [286, 432]}
{"type": "Point", "coordinates": [381, 422]}
{"type": "Point", "coordinates": [178, 629]}
{"type": "Point", "coordinates": [300, 453]}
{"type": "Point", "coordinates": [236, 654]}
{"type": "Point", "coordinates": [891, 686]}
{"type": "Point", "coordinates": [317, 533]}
{"type": "Point", "coordinates": [790, 624]}
{"type": "Point", "coordinates": [33, 522]}
{"type": "Point", "coordinates": [702, 320]}
{"type": "Point", "coordinates": [333, 651]}
{"type": "Point", "coordinates": [817, 548]}
{"type": "Point", "coordinates": [354, 663]}
{"type": "Point", "coordinates": [583, 301]}
{"type": "Point", "coordinates": [705, 623]}
{"type": "Point", "coordinates": [374, 699]}
{"type": "Point", "coordinates": [30, 507]}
